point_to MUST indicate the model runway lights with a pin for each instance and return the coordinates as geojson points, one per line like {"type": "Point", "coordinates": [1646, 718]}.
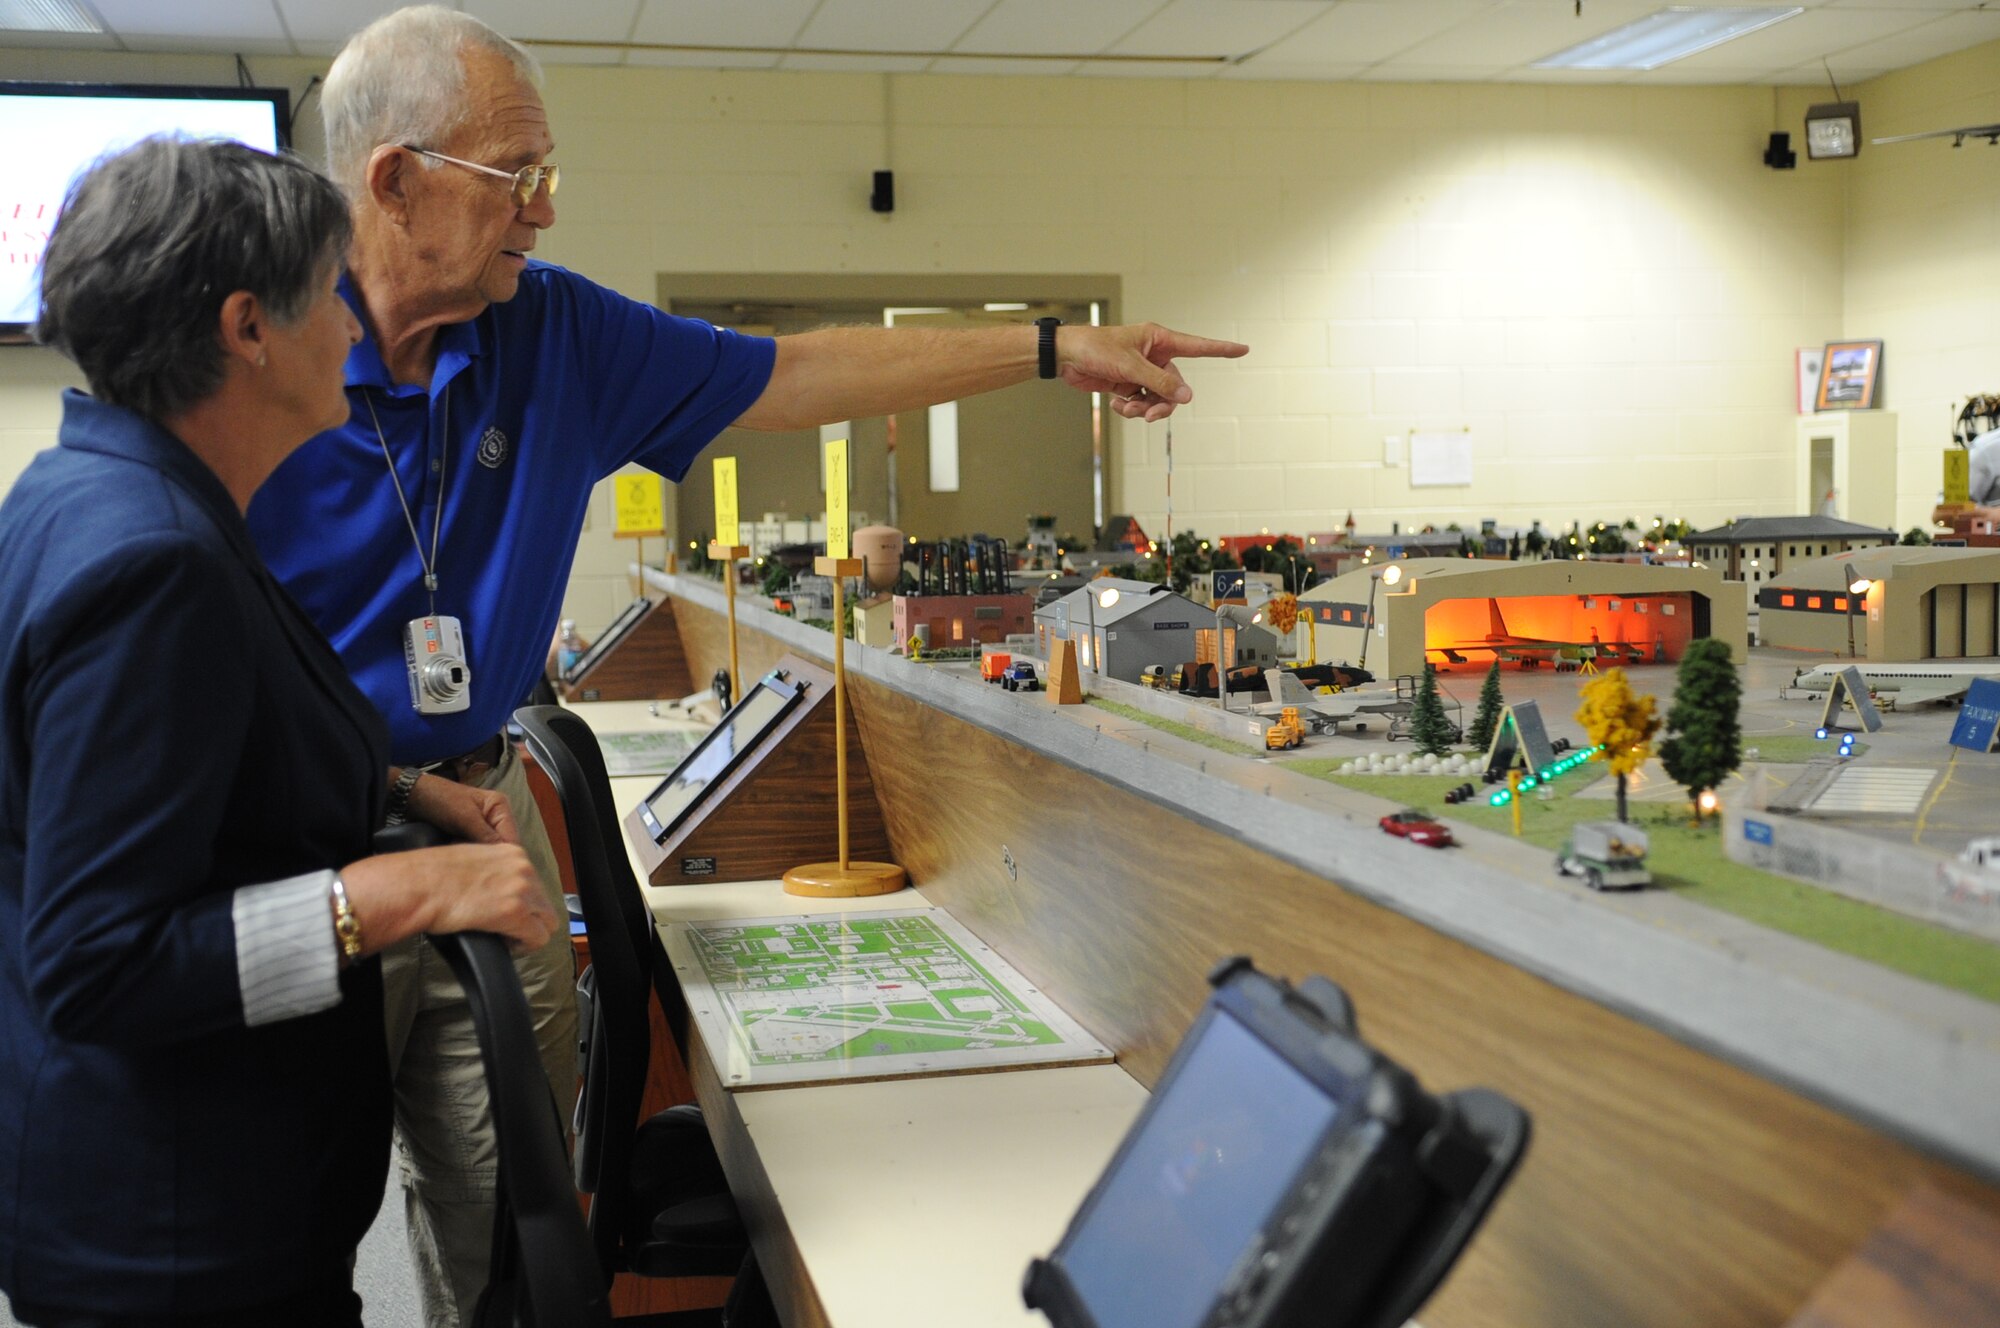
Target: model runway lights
{"type": "Point", "coordinates": [1501, 797]}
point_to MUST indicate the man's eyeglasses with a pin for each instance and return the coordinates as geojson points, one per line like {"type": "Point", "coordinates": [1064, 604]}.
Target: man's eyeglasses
{"type": "Point", "coordinates": [527, 181]}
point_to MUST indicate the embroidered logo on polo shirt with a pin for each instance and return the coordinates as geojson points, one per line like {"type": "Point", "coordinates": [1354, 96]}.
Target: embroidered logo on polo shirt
{"type": "Point", "coordinates": [493, 448]}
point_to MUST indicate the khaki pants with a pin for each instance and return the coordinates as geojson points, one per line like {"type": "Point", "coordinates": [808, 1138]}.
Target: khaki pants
{"type": "Point", "coordinates": [444, 1129]}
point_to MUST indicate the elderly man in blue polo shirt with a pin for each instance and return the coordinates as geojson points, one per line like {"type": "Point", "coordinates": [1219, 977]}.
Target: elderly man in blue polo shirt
{"type": "Point", "coordinates": [489, 395]}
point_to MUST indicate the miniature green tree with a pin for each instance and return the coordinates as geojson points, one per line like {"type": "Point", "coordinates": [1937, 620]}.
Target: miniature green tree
{"type": "Point", "coordinates": [1620, 723]}
{"type": "Point", "coordinates": [1704, 733]}
{"type": "Point", "coordinates": [777, 579]}
{"type": "Point", "coordinates": [1429, 729]}
{"type": "Point", "coordinates": [1487, 718]}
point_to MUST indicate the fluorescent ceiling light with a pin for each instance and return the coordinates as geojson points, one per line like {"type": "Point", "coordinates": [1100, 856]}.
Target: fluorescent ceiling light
{"type": "Point", "coordinates": [46, 16]}
{"type": "Point", "coordinates": [1673, 33]}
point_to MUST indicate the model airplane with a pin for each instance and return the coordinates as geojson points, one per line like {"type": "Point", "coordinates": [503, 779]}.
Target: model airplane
{"type": "Point", "coordinates": [1920, 682]}
{"type": "Point", "coordinates": [1325, 713]}
{"type": "Point", "coordinates": [1528, 651]}
{"type": "Point", "coordinates": [1991, 133]}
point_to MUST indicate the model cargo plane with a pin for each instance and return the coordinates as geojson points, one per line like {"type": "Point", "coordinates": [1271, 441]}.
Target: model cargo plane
{"type": "Point", "coordinates": [1529, 651]}
{"type": "Point", "coordinates": [1913, 683]}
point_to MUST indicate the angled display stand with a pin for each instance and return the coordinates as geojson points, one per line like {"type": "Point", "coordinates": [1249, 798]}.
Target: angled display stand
{"type": "Point", "coordinates": [639, 657]}
{"type": "Point", "coordinates": [756, 798]}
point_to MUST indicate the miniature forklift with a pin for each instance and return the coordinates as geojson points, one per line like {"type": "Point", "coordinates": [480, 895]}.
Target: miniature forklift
{"type": "Point", "coordinates": [1286, 733]}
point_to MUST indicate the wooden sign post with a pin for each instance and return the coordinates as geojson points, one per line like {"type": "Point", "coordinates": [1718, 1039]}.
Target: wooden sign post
{"type": "Point", "coordinates": [725, 549]}
{"type": "Point", "coordinates": [845, 878]}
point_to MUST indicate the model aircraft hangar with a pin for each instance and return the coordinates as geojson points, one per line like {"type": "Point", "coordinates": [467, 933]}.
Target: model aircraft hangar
{"type": "Point", "coordinates": [1463, 613]}
{"type": "Point", "coordinates": [1921, 602]}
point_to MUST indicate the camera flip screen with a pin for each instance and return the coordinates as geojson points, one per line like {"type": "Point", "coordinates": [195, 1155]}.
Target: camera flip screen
{"type": "Point", "coordinates": [1218, 1154]}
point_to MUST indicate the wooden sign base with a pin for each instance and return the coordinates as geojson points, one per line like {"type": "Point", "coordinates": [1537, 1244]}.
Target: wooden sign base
{"type": "Point", "coordinates": [830, 880]}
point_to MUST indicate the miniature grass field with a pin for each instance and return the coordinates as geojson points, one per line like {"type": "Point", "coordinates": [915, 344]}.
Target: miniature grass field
{"type": "Point", "coordinates": [1691, 862]}
{"type": "Point", "coordinates": [1794, 749]}
{"type": "Point", "coordinates": [1185, 731]}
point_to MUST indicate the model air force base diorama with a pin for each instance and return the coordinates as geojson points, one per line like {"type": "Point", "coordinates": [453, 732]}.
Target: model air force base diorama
{"type": "Point", "coordinates": [1602, 714]}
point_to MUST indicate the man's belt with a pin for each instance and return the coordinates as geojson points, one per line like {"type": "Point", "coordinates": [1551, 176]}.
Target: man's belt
{"type": "Point", "coordinates": [473, 766]}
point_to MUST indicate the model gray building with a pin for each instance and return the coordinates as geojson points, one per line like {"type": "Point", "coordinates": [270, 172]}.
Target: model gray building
{"type": "Point", "coordinates": [1120, 627]}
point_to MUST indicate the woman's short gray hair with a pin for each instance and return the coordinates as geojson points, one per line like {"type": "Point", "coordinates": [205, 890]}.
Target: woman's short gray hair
{"type": "Point", "coordinates": [149, 243]}
{"type": "Point", "coordinates": [401, 79]}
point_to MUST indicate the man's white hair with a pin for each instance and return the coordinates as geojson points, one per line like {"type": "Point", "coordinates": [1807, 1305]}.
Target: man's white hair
{"type": "Point", "coordinates": [401, 79]}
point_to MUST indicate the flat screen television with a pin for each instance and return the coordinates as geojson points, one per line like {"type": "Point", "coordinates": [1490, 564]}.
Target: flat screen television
{"type": "Point", "coordinates": [55, 130]}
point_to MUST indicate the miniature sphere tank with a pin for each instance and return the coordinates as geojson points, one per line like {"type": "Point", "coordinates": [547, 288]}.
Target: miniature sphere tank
{"type": "Point", "coordinates": [881, 547]}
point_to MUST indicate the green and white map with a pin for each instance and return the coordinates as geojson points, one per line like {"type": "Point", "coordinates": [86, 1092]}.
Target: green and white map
{"type": "Point", "coordinates": [863, 995]}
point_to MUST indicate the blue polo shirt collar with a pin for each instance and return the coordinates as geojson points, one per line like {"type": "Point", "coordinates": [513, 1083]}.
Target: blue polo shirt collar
{"type": "Point", "coordinates": [459, 344]}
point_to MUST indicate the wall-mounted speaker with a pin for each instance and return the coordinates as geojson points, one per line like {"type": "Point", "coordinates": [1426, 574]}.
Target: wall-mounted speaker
{"type": "Point", "coordinates": [1779, 155]}
{"type": "Point", "coordinates": [884, 197]}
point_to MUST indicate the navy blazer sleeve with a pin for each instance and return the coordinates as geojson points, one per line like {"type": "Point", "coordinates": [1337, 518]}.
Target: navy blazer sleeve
{"type": "Point", "coordinates": [125, 938]}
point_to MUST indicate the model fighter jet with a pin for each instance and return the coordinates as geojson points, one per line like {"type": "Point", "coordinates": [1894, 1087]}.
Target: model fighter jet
{"type": "Point", "coordinates": [1528, 651]}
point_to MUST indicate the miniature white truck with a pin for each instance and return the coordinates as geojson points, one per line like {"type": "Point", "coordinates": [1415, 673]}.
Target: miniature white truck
{"type": "Point", "coordinates": [1605, 854]}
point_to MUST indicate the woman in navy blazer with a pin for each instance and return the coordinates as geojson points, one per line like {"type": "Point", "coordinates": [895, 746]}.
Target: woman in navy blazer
{"type": "Point", "coordinates": [194, 1101]}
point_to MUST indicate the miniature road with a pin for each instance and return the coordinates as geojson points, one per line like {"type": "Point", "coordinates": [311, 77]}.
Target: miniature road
{"type": "Point", "coordinates": [1774, 952]}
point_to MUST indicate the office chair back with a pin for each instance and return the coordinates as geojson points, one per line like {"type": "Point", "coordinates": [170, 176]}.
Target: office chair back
{"type": "Point", "coordinates": [623, 949]}
{"type": "Point", "coordinates": [545, 1270]}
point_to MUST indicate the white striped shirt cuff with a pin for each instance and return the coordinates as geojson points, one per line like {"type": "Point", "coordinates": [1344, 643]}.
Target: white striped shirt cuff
{"type": "Point", "coordinates": [287, 960]}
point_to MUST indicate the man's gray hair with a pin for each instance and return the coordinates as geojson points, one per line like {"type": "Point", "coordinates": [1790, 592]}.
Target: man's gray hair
{"type": "Point", "coordinates": [150, 242]}
{"type": "Point", "coordinates": [401, 79]}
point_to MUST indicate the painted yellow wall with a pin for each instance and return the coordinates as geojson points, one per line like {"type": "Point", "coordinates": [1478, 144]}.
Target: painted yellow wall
{"type": "Point", "coordinates": [1605, 285]}
{"type": "Point", "coordinates": [1923, 257]}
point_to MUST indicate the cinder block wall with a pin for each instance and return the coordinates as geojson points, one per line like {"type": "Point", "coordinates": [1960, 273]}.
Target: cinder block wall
{"type": "Point", "coordinates": [1604, 285]}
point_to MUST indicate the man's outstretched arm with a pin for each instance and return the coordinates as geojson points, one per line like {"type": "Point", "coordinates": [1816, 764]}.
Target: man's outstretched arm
{"type": "Point", "coordinates": [843, 373]}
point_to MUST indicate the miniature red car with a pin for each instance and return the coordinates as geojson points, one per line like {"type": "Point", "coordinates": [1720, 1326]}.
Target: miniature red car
{"type": "Point", "coordinates": [1417, 827]}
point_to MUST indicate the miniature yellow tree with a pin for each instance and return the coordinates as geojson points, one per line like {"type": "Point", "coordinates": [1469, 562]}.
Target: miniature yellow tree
{"type": "Point", "coordinates": [1620, 723]}
{"type": "Point", "coordinates": [1282, 612]}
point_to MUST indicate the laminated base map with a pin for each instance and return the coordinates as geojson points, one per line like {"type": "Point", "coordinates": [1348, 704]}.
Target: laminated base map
{"type": "Point", "coordinates": [849, 996]}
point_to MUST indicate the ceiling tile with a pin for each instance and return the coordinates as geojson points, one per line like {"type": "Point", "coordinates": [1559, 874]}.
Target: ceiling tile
{"type": "Point", "coordinates": [330, 20]}
{"type": "Point", "coordinates": [871, 25]}
{"type": "Point", "coordinates": [1952, 32]}
{"type": "Point", "coordinates": [1020, 27]}
{"type": "Point", "coordinates": [574, 20]}
{"type": "Point", "coordinates": [1220, 27]}
{"type": "Point", "coordinates": [1518, 33]}
{"type": "Point", "coordinates": [1815, 33]}
{"type": "Point", "coordinates": [1365, 31]}
{"type": "Point", "coordinates": [1398, 71]}
{"type": "Point", "coordinates": [218, 21]}
{"type": "Point", "coordinates": [767, 23]}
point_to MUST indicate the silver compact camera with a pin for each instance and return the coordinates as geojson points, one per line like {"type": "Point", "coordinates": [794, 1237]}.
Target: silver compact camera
{"type": "Point", "coordinates": [440, 679]}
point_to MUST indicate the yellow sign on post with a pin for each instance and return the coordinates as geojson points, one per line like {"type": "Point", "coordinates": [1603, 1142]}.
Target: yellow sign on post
{"type": "Point", "coordinates": [726, 523]}
{"type": "Point", "coordinates": [836, 499]}
{"type": "Point", "coordinates": [1957, 475]}
{"type": "Point", "coordinates": [640, 503]}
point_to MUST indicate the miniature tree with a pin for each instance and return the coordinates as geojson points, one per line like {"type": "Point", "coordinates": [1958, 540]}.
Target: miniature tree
{"type": "Point", "coordinates": [1535, 541]}
{"type": "Point", "coordinates": [1704, 733]}
{"type": "Point", "coordinates": [1620, 723]}
{"type": "Point", "coordinates": [1429, 729]}
{"type": "Point", "coordinates": [777, 579]}
{"type": "Point", "coordinates": [1487, 718]}
{"type": "Point", "coordinates": [1281, 611]}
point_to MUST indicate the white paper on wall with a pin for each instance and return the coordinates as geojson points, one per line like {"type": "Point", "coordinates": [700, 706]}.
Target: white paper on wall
{"type": "Point", "coordinates": [1440, 459]}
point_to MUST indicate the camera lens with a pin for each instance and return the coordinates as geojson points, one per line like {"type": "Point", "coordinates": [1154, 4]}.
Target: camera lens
{"type": "Point", "coordinates": [444, 679]}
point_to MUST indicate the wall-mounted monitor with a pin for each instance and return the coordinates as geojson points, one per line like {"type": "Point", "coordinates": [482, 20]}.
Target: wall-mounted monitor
{"type": "Point", "coordinates": [725, 745]}
{"type": "Point", "coordinates": [55, 130]}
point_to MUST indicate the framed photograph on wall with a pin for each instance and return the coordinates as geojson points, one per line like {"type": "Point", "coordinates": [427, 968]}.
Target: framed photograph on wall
{"type": "Point", "coordinates": [1850, 375]}
{"type": "Point", "coordinates": [1809, 359]}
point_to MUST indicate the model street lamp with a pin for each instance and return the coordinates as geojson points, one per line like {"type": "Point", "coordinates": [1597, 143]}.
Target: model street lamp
{"type": "Point", "coordinates": [1857, 586]}
{"type": "Point", "coordinates": [1390, 576]}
